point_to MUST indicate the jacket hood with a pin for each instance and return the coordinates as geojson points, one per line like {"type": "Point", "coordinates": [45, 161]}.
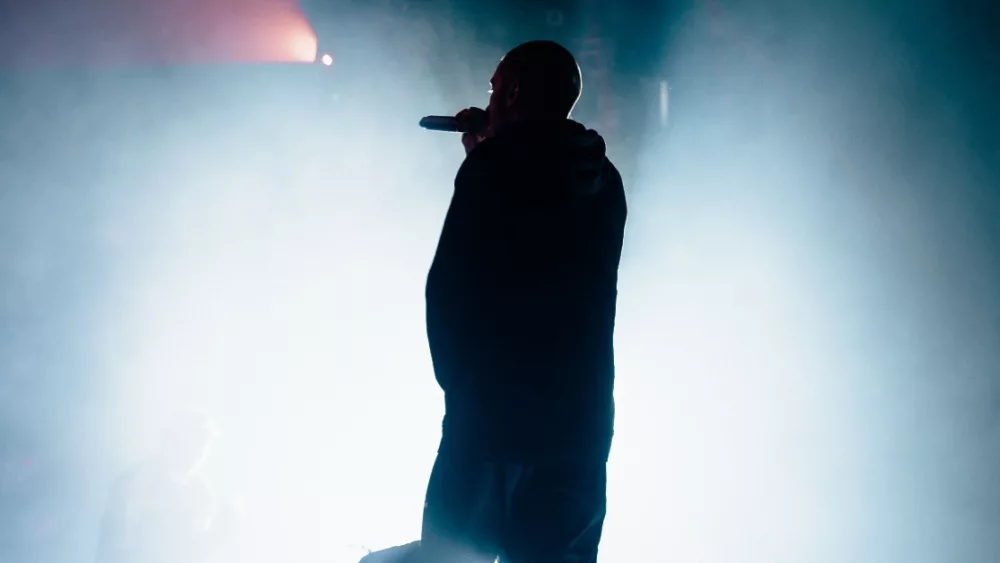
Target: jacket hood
{"type": "Point", "coordinates": [563, 154]}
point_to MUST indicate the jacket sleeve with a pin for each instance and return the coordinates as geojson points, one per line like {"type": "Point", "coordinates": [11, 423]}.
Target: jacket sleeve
{"type": "Point", "coordinates": [470, 236]}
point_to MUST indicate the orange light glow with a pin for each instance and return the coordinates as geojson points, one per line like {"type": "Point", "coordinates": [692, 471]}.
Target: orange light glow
{"type": "Point", "coordinates": [163, 31]}
{"type": "Point", "coordinates": [285, 37]}
{"type": "Point", "coordinates": [303, 45]}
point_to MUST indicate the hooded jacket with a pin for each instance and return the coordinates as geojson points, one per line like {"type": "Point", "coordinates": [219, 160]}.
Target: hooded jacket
{"type": "Point", "coordinates": [521, 295]}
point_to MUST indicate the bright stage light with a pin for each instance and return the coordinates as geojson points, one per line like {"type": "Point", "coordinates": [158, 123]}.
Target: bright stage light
{"type": "Point", "coordinates": [303, 45]}
{"type": "Point", "coordinates": [327, 59]}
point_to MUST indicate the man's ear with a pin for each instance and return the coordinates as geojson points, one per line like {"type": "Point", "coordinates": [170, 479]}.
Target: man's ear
{"type": "Point", "coordinates": [512, 93]}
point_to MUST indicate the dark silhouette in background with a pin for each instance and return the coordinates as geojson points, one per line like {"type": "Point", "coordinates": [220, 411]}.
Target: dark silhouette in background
{"type": "Point", "coordinates": [521, 303]}
{"type": "Point", "coordinates": [163, 510]}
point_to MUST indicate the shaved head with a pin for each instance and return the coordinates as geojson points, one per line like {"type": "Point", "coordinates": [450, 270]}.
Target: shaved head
{"type": "Point", "coordinates": [535, 80]}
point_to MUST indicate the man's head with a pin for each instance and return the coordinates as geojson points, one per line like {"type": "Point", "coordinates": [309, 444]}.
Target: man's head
{"type": "Point", "coordinates": [538, 80]}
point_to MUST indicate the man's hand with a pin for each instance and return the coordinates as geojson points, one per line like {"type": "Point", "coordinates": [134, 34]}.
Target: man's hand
{"type": "Point", "coordinates": [475, 123]}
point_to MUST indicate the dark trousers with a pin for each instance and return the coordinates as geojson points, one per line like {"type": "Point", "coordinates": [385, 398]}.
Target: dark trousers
{"type": "Point", "coordinates": [538, 512]}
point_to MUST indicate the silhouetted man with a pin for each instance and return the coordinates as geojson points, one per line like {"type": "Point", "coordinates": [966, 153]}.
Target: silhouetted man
{"type": "Point", "coordinates": [163, 509]}
{"type": "Point", "coordinates": [520, 319]}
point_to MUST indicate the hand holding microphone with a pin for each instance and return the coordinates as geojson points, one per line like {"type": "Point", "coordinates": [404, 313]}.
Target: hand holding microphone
{"type": "Point", "coordinates": [473, 123]}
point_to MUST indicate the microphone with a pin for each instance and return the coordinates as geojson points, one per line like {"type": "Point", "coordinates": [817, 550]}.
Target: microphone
{"type": "Point", "coordinates": [444, 123]}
